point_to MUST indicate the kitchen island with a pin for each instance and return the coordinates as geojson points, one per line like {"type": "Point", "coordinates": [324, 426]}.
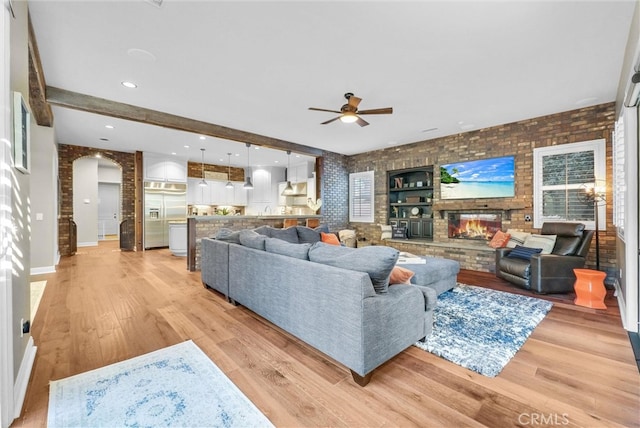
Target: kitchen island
{"type": "Point", "coordinates": [199, 227]}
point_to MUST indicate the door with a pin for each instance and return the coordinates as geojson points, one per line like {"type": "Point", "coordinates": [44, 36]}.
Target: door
{"type": "Point", "coordinates": [108, 210]}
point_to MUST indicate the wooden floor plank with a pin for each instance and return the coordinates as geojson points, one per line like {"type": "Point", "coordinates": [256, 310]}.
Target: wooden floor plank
{"type": "Point", "coordinates": [103, 305]}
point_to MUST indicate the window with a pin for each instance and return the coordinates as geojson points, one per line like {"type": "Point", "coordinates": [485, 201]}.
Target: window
{"type": "Point", "coordinates": [619, 185]}
{"type": "Point", "coordinates": [361, 197]}
{"type": "Point", "coordinates": [561, 175]}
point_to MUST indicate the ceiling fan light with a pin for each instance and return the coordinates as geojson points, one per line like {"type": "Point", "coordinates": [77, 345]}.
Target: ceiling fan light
{"type": "Point", "coordinates": [348, 117]}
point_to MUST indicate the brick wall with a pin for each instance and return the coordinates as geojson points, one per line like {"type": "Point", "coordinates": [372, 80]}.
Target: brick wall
{"type": "Point", "coordinates": [335, 190]}
{"type": "Point", "coordinates": [66, 156]}
{"type": "Point", "coordinates": [194, 170]}
{"type": "Point", "coordinates": [517, 139]}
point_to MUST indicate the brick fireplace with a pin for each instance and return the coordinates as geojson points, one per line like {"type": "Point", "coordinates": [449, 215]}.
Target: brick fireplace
{"type": "Point", "coordinates": [473, 226]}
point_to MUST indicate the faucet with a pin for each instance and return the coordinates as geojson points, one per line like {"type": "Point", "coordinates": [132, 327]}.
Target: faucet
{"type": "Point", "coordinates": [267, 209]}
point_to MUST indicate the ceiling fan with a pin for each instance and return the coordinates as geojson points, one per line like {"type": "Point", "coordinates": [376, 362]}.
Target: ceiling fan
{"type": "Point", "coordinates": [349, 112]}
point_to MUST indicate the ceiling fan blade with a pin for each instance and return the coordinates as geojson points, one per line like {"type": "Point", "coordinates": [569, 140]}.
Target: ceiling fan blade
{"type": "Point", "coordinates": [324, 109]}
{"type": "Point", "coordinates": [362, 122]}
{"type": "Point", "coordinates": [354, 101]}
{"type": "Point", "coordinates": [330, 120]}
{"type": "Point", "coordinates": [386, 110]}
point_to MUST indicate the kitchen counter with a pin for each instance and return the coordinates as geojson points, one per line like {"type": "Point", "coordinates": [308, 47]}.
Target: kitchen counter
{"type": "Point", "coordinates": [202, 226]}
{"type": "Point", "coordinates": [242, 217]}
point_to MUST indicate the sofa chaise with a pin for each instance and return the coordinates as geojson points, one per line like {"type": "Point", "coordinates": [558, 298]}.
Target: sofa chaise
{"type": "Point", "coordinates": [332, 298]}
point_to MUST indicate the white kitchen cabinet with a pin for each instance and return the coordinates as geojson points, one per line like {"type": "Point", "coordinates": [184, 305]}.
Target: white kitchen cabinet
{"type": "Point", "coordinates": [218, 192]}
{"type": "Point", "coordinates": [178, 239]}
{"type": "Point", "coordinates": [196, 194]}
{"type": "Point", "coordinates": [157, 167]}
{"type": "Point", "coordinates": [301, 172]}
{"type": "Point", "coordinates": [240, 194]}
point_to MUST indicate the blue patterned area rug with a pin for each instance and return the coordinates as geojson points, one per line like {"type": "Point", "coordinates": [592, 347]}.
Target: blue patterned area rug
{"type": "Point", "coordinates": [177, 386]}
{"type": "Point", "coordinates": [482, 329]}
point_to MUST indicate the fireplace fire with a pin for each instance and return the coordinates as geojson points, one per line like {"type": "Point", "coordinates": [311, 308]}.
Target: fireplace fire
{"type": "Point", "coordinates": [480, 227]}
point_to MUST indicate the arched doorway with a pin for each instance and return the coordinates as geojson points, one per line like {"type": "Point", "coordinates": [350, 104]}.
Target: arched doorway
{"type": "Point", "coordinates": [97, 208]}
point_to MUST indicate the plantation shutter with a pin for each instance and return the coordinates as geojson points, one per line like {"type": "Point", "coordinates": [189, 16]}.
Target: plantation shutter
{"type": "Point", "coordinates": [619, 185]}
{"type": "Point", "coordinates": [561, 176]}
{"type": "Point", "coordinates": [361, 197]}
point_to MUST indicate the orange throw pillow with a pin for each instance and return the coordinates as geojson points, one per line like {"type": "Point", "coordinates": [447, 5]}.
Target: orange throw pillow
{"type": "Point", "coordinates": [329, 238]}
{"type": "Point", "coordinates": [400, 275]}
{"type": "Point", "coordinates": [499, 240]}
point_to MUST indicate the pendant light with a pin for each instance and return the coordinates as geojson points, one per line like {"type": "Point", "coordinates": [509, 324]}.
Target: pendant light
{"type": "Point", "coordinates": [229, 184]}
{"type": "Point", "coordinates": [248, 184]}
{"type": "Point", "coordinates": [289, 189]}
{"type": "Point", "coordinates": [203, 182]}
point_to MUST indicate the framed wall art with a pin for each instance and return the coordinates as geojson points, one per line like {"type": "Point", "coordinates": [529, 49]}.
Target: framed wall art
{"type": "Point", "coordinates": [21, 134]}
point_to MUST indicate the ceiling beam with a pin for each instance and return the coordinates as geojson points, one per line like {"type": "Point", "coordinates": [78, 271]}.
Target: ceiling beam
{"type": "Point", "coordinates": [88, 103]}
{"type": "Point", "coordinates": [39, 108]}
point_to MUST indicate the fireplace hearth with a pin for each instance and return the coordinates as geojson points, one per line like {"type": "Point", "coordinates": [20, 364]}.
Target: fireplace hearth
{"type": "Point", "coordinates": [474, 226]}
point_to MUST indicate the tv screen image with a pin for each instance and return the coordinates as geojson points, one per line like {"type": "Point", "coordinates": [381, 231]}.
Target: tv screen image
{"type": "Point", "coordinates": [486, 178]}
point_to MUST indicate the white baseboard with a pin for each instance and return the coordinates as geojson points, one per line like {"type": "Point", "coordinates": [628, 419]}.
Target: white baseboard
{"type": "Point", "coordinates": [42, 270]}
{"type": "Point", "coordinates": [88, 244]}
{"type": "Point", "coordinates": [22, 380]}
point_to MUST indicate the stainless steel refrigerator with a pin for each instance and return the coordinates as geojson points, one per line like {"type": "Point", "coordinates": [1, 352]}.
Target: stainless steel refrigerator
{"type": "Point", "coordinates": [163, 203]}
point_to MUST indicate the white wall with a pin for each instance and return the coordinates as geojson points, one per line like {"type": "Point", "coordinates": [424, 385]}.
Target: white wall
{"type": "Point", "coordinates": [109, 174]}
{"type": "Point", "coordinates": [44, 200]}
{"type": "Point", "coordinates": [85, 200]}
{"type": "Point", "coordinates": [627, 258]}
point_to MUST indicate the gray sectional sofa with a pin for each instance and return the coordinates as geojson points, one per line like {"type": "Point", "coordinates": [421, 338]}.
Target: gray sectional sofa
{"type": "Point", "coordinates": [333, 298]}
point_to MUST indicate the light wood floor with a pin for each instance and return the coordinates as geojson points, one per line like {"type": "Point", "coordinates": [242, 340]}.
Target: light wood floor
{"type": "Point", "coordinates": [104, 306]}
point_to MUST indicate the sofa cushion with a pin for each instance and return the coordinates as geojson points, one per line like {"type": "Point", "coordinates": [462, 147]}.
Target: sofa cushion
{"type": "Point", "coordinates": [400, 275]}
{"type": "Point", "coordinates": [329, 238]}
{"type": "Point", "coordinates": [306, 235]}
{"type": "Point", "coordinates": [499, 240]}
{"type": "Point", "coordinates": [228, 235]}
{"type": "Point", "coordinates": [517, 237]}
{"type": "Point", "coordinates": [252, 239]}
{"type": "Point", "coordinates": [264, 230]}
{"type": "Point", "coordinates": [289, 234]}
{"type": "Point", "coordinates": [377, 261]}
{"type": "Point", "coordinates": [523, 253]}
{"type": "Point", "coordinates": [278, 246]}
{"type": "Point", "coordinates": [545, 242]}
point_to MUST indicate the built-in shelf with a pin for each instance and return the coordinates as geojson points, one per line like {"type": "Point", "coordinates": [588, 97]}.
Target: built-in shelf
{"type": "Point", "coordinates": [410, 198]}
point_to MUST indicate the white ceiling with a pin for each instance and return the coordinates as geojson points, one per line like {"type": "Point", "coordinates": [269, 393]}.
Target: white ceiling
{"type": "Point", "coordinates": [444, 66]}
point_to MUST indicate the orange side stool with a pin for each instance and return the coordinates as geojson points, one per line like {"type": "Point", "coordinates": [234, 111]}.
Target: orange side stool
{"type": "Point", "coordinates": [589, 287]}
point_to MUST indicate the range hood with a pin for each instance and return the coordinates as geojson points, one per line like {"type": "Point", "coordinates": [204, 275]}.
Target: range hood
{"type": "Point", "coordinates": [299, 189]}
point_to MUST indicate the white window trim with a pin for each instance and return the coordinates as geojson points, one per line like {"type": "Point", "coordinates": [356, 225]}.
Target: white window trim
{"type": "Point", "coordinates": [599, 150]}
{"type": "Point", "coordinates": [366, 175]}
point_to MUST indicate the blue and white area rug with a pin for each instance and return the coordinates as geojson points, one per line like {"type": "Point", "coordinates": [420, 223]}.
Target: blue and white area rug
{"type": "Point", "coordinates": [482, 329]}
{"type": "Point", "coordinates": [177, 386]}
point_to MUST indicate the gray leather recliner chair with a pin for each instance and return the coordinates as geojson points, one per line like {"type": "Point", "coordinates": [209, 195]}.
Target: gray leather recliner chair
{"type": "Point", "coordinates": [548, 273]}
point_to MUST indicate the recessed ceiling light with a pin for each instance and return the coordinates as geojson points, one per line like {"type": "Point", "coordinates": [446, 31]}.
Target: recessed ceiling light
{"type": "Point", "coordinates": [127, 84]}
{"type": "Point", "coordinates": [202, 137]}
{"type": "Point", "coordinates": [186, 147]}
{"type": "Point", "coordinates": [256, 147]}
{"type": "Point", "coordinates": [276, 161]}
{"type": "Point", "coordinates": [109, 126]}
{"type": "Point", "coordinates": [237, 154]}
{"type": "Point", "coordinates": [173, 153]}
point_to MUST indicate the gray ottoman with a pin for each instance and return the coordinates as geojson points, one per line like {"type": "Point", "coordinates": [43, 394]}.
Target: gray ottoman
{"type": "Point", "coordinates": [436, 273]}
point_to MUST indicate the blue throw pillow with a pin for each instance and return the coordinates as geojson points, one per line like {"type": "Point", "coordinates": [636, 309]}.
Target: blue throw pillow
{"type": "Point", "coordinates": [525, 253]}
{"type": "Point", "coordinates": [251, 239]}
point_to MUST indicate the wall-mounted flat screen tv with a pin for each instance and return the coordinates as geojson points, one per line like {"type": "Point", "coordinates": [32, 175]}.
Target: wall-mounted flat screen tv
{"type": "Point", "coordinates": [486, 178]}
